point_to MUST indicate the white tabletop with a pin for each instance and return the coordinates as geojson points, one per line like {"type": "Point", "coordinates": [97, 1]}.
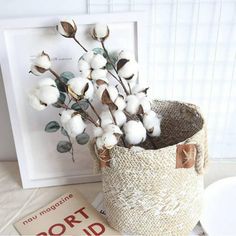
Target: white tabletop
{"type": "Point", "coordinates": [15, 202]}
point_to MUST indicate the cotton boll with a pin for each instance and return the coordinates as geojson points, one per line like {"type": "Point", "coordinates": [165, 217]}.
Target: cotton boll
{"type": "Point", "coordinates": [98, 74]}
{"type": "Point", "coordinates": [78, 85]}
{"type": "Point", "coordinates": [41, 64]}
{"type": "Point", "coordinates": [72, 123]}
{"type": "Point", "coordinates": [100, 143]}
{"type": "Point", "coordinates": [109, 139]}
{"type": "Point", "coordinates": [100, 32]}
{"type": "Point", "coordinates": [88, 56]}
{"type": "Point", "coordinates": [83, 65]}
{"type": "Point", "coordinates": [156, 129]}
{"type": "Point", "coordinates": [141, 95]}
{"type": "Point", "coordinates": [150, 115]}
{"type": "Point", "coordinates": [113, 129]}
{"type": "Point", "coordinates": [100, 90]}
{"type": "Point", "coordinates": [139, 88]}
{"type": "Point", "coordinates": [120, 117]}
{"type": "Point", "coordinates": [67, 28]}
{"type": "Point", "coordinates": [120, 103]}
{"type": "Point", "coordinates": [152, 124]}
{"type": "Point", "coordinates": [126, 55]}
{"type": "Point", "coordinates": [132, 79]}
{"type": "Point", "coordinates": [98, 62]}
{"type": "Point", "coordinates": [97, 132]}
{"type": "Point", "coordinates": [85, 74]}
{"type": "Point", "coordinates": [112, 91]}
{"type": "Point", "coordinates": [135, 132]}
{"type": "Point", "coordinates": [75, 126]}
{"type": "Point", "coordinates": [145, 104]}
{"type": "Point", "coordinates": [129, 69]}
{"type": "Point", "coordinates": [43, 61]}
{"type": "Point", "coordinates": [66, 116]}
{"type": "Point", "coordinates": [34, 101]}
{"type": "Point", "coordinates": [46, 82]}
{"type": "Point", "coordinates": [34, 70]}
{"type": "Point", "coordinates": [132, 104]}
{"type": "Point", "coordinates": [48, 94]}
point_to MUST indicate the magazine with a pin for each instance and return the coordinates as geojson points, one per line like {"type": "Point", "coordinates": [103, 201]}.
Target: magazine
{"type": "Point", "coordinates": [69, 215]}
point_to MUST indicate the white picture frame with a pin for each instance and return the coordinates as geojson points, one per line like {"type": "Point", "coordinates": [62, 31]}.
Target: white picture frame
{"type": "Point", "coordinates": [23, 36]}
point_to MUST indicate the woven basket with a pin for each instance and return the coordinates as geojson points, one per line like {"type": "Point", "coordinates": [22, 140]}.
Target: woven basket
{"type": "Point", "coordinates": [155, 192]}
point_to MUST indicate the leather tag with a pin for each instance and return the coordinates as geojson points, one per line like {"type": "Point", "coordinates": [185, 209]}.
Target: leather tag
{"type": "Point", "coordinates": [185, 155]}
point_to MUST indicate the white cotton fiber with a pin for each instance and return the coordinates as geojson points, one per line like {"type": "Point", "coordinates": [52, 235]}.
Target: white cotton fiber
{"type": "Point", "coordinates": [135, 132]}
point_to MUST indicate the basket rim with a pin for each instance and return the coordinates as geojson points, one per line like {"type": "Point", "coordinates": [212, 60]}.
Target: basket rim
{"type": "Point", "coordinates": [189, 105]}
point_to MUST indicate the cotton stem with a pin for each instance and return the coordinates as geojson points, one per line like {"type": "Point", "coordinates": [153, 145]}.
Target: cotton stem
{"type": "Point", "coordinates": [95, 112]}
{"type": "Point", "coordinates": [113, 66]}
{"type": "Point", "coordinates": [77, 41]}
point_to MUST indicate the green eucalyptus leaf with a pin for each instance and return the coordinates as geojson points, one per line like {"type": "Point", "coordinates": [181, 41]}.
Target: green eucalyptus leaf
{"type": "Point", "coordinates": [82, 138]}
{"type": "Point", "coordinates": [52, 126]}
{"type": "Point", "coordinates": [109, 66]}
{"type": "Point", "coordinates": [76, 107]}
{"type": "Point", "coordinates": [67, 75]}
{"type": "Point", "coordinates": [60, 86]}
{"type": "Point", "coordinates": [64, 132]}
{"type": "Point", "coordinates": [64, 146]}
{"type": "Point", "coordinates": [113, 56]}
{"type": "Point", "coordinates": [83, 104]}
{"type": "Point", "coordinates": [62, 98]}
{"type": "Point", "coordinates": [99, 51]}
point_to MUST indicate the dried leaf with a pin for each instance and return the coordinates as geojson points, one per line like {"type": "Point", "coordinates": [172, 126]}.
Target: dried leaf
{"type": "Point", "coordinates": [121, 63]}
{"type": "Point", "coordinates": [100, 82]}
{"type": "Point", "coordinates": [145, 90]}
{"type": "Point", "coordinates": [113, 106]}
{"type": "Point", "coordinates": [85, 89]}
{"type": "Point", "coordinates": [129, 78]}
{"type": "Point", "coordinates": [140, 110]}
{"type": "Point", "coordinates": [106, 97]}
{"type": "Point", "coordinates": [117, 136]}
{"type": "Point", "coordinates": [68, 28]}
{"type": "Point", "coordinates": [40, 69]}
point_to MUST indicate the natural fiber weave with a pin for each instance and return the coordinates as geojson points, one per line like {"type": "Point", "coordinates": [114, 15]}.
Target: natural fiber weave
{"type": "Point", "coordinates": [144, 192]}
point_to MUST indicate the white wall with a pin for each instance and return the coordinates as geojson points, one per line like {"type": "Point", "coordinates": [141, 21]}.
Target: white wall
{"type": "Point", "coordinates": [27, 8]}
{"type": "Point", "coordinates": [192, 57]}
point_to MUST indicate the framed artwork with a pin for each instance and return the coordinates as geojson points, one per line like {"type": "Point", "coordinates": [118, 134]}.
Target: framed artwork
{"type": "Point", "coordinates": [20, 41]}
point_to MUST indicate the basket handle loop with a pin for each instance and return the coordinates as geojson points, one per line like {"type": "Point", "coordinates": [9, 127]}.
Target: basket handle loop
{"type": "Point", "coordinates": [201, 159]}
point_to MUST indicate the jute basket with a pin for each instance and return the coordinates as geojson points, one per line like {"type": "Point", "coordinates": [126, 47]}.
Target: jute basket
{"type": "Point", "coordinates": [159, 192]}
